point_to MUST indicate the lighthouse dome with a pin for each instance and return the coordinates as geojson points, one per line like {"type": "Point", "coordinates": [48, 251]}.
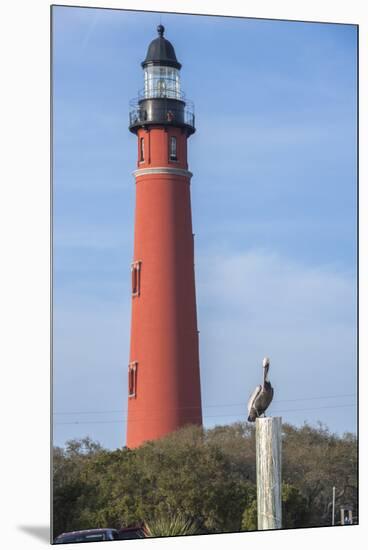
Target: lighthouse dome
{"type": "Point", "coordinates": [161, 52]}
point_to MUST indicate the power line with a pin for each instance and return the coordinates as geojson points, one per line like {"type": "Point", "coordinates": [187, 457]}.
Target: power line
{"type": "Point", "coordinates": [204, 416]}
{"type": "Point", "coordinates": [210, 406]}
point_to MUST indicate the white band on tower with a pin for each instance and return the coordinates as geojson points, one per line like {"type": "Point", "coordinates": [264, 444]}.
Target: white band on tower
{"type": "Point", "coordinates": [162, 170]}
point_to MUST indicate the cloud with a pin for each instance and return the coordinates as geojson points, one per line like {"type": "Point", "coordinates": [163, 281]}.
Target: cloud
{"type": "Point", "coordinates": [101, 238]}
{"type": "Point", "coordinates": [91, 353]}
{"type": "Point", "coordinates": [255, 303]}
{"type": "Point", "coordinates": [250, 304]}
{"type": "Point", "coordinates": [260, 281]}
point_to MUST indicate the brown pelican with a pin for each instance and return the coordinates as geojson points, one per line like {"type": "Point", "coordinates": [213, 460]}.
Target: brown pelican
{"type": "Point", "coordinates": [262, 395]}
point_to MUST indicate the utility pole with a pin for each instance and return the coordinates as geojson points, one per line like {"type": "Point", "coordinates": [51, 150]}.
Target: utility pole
{"type": "Point", "coordinates": [333, 505]}
{"type": "Point", "coordinates": [268, 451]}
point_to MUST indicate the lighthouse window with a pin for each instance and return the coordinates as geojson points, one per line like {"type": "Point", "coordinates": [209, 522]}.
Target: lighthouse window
{"type": "Point", "coordinates": [132, 379]}
{"type": "Point", "coordinates": [162, 82]}
{"type": "Point", "coordinates": [136, 278]}
{"type": "Point", "coordinates": [173, 149]}
{"type": "Point", "coordinates": [141, 149]}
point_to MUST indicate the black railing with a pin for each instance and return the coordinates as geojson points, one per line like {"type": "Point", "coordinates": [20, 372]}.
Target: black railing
{"type": "Point", "coordinates": [173, 113]}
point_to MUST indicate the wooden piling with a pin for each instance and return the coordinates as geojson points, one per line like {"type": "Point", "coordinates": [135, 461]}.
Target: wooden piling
{"type": "Point", "coordinates": [269, 485]}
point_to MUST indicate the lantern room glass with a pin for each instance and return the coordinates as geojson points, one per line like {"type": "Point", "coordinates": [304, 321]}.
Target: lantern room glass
{"type": "Point", "coordinates": [160, 81]}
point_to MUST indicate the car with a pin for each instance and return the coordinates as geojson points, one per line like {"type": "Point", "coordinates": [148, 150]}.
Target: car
{"type": "Point", "coordinates": [88, 535]}
{"type": "Point", "coordinates": [131, 533]}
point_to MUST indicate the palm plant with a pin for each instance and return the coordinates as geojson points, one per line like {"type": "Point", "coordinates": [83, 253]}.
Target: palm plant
{"type": "Point", "coordinates": [170, 526]}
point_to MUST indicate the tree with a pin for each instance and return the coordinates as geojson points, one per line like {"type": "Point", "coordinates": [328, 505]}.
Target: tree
{"type": "Point", "coordinates": [204, 476]}
{"type": "Point", "coordinates": [249, 519]}
{"type": "Point", "coordinates": [314, 460]}
{"type": "Point", "coordinates": [294, 510]}
{"type": "Point", "coordinates": [69, 487]}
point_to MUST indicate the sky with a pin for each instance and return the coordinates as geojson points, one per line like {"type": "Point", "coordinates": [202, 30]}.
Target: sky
{"type": "Point", "coordinates": [274, 199]}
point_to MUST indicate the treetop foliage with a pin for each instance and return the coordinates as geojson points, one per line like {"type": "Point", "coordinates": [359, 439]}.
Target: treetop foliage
{"type": "Point", "coordinates": [205, 477]}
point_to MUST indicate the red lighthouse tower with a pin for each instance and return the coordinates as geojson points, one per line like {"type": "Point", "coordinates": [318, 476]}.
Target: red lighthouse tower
{"type": "Point", "coordinates": [163, 373]}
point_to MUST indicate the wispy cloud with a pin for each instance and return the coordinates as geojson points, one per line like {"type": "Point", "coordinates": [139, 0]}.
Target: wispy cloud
{"type": "Point", "coordinates": [250, 304]}
{"type": "Point", "coordinates": [91, 353]}
{"type": "Point", "coordinates": [92, 22]}
{"type": "Point", "coordinates": [105, 237]}
{"type": "Point", "coordinates": [274, 164]}
{"type": "Point", "coordinates": [257, 303]}
{"type": "Point", "coordinates": [260, 132]}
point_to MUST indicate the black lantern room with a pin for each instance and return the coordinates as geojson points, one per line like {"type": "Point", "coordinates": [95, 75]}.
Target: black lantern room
{"type": "Point", "coordinates": [161, 102]}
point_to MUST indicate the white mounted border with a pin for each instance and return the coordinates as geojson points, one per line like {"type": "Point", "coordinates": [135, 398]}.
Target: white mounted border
{"type": "Point", "coordinates": [26, 413]}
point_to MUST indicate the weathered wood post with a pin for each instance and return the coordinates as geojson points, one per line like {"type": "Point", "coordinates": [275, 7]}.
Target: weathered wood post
{"type": "Point", "coordinates": [268, 452]}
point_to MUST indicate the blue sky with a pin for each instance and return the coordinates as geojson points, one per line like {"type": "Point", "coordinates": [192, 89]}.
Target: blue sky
{"type": "Point", "coordinates": [274, 213]}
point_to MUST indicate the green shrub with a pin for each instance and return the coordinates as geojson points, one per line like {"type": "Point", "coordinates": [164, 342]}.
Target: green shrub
{"type": "Point", "coordinates": [170, 526]}
{"type": "Point", "coordinates": [249, 520]}
{"type": "Point", "coordinates": [294, 510]}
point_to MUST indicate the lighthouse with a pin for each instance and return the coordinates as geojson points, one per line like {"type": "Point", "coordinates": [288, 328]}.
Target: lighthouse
{"type": "Point", "coordinates": [163, 372]}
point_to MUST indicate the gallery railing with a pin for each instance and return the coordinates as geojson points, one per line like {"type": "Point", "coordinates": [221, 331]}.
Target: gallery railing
{"type": "Point", "coordinates": [160, 111]}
